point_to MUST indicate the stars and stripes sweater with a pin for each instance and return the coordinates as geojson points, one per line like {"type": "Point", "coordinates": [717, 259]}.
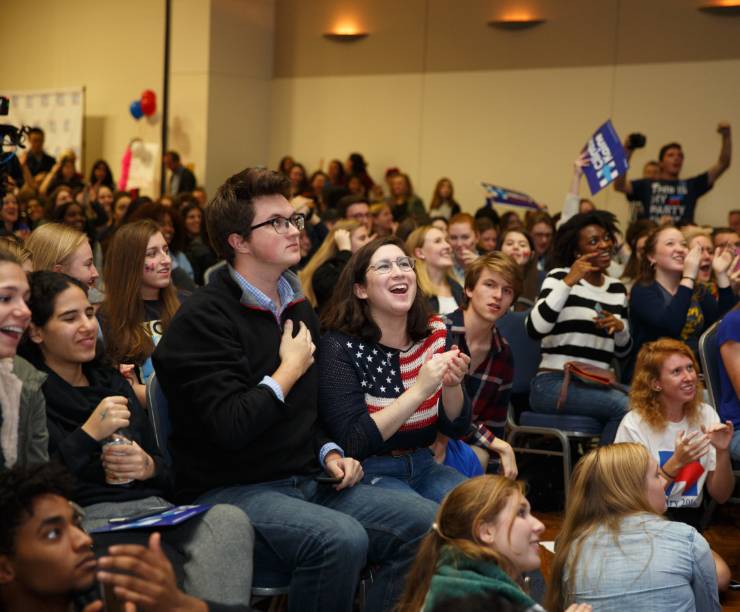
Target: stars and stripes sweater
{"type": "Point", "coordinates": [359, 378]}
{"type": "Point", "coordinates": [563, 318]}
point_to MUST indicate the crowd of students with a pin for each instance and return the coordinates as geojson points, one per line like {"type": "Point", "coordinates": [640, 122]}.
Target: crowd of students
{"type": "Point", "coordinates": [338, 367]}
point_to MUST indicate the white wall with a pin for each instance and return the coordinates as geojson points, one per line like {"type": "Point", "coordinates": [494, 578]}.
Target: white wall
{"type": "Point", "coordinates": [517, 128]}
{"type": "Point", "coordinates": [113, 49]}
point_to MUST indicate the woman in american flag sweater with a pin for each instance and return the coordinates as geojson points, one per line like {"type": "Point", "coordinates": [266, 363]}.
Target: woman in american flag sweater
{"type": "Point", "coordinates": [388, 381]}
{"type": "Point", "coordinates": [581, 315]}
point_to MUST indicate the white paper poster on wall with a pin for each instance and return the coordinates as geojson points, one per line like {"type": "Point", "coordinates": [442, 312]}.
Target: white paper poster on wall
{"type": "Point", "coordinates": [144, 170]}
{"type": "Point", "coordinates": [59, 112]}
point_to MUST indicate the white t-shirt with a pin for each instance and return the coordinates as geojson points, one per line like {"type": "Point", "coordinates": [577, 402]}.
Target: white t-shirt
{"type": "Point", "coordinates": [447, 304]}
{"type": "Point", "coordinates": [686, 490]}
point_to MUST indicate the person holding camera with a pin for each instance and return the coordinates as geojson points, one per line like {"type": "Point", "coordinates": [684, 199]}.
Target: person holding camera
{"type": "Point", "coordinates": [669, 198]}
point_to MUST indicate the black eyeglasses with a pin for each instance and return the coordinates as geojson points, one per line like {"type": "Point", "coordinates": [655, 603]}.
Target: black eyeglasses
{"type": "Point", "coordinates": [281, 225]}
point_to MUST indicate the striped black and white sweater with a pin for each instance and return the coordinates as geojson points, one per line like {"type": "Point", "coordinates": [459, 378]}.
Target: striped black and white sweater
{"type": "Point", "coordinates": [563, 318]}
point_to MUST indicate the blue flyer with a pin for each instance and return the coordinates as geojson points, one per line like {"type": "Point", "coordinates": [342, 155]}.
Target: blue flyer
{"type": "Point", "coordinates": [167, 518]}
{"type": "Point", "coordinates": [607, 158]}
{"type": "Point", "coordinates": [502, 195]}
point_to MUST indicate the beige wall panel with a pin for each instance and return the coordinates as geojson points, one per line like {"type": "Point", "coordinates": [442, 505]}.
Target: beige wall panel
{"type": "Point", "coordinates": [241, 43]}
{"type": "Point", "coordinates": [395, 44]}
{"type": "Point", "coordinates": [189, 82]}
{"type": "Point", "coordinates": [188, 120]}
{"type": "Point", "coordinates": [189, 42]}
{"type": "Point", "coordinates": [447, 35]}
{"type": "Point", "coordinates": [242, 37]}
{"type": "Point", "coordinates": [332, 117]}
{"type": "Point", "coordinates": [521, 128]}
{"type": "Point", "coordinates": [675, 31]}
{"type": "Point", "coordinates": [684, 103]}
{"type": "Point", "coordinates": [114, 49]}
{"type": "Point", "coordinates": [577, 33]}
{"type": "Point", "coordinates": [238, 133]}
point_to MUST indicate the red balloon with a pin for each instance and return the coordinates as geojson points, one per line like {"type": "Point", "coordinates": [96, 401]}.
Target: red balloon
{"type": "Point", "coordinates": [148, 106]}
{"type": "Point", "coordinates": [148, 94]}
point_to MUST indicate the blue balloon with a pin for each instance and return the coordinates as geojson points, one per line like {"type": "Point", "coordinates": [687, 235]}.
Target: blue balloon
{"type": "Point", "coordinates": [135, 109]}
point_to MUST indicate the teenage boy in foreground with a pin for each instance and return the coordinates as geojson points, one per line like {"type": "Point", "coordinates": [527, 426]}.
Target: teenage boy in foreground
{"type": "Point", "coordinates": [46, 559]}
{"type": "Point", "coordinates": [236, 365]}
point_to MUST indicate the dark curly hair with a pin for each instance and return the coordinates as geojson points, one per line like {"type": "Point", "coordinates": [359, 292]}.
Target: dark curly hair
{"type": "Point", "coordinates": [45, 287]}
{"type": "Point", "coordinates": [19, 487]}
{"type": "Point", "coordinates": [565, 245]}
{"type": "Point", "coordinates": [350, 315]}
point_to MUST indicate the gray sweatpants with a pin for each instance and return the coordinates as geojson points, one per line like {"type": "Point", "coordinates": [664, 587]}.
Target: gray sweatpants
{"type": "Point", "coordinates": [217, 546]}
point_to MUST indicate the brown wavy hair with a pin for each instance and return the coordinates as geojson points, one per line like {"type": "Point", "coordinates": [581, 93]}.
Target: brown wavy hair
{"type": "Point", "coordinates": [350, 315]}
{"type": "Point", "coordinates": [647, 269]}
{"type": "Point", "coordinates": [469, 505]}
{"type": "Point", "coordinates": [608, 484]}
{"type": "Point", "coordinates": [644, 399]}
{"type": "Point", "coordinates": [122, 311]}
{"type": "Point", "coordinates": [636, 230]}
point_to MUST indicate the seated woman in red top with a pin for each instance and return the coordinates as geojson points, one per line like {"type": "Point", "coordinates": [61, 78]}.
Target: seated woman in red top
{"type": "Point", "coordinates": [388, 379]}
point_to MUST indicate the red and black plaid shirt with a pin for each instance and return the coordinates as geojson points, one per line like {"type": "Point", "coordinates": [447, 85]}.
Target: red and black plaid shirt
{"type": "Point", "coordinates": [489, 386]}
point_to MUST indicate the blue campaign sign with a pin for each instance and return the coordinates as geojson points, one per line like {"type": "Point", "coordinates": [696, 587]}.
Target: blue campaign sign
{"type": "Point", "coordinates": [607, 158]}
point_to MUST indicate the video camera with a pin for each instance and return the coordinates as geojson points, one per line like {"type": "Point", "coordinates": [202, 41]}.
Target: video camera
{"type": "Point", "coordinates": [12, 138]}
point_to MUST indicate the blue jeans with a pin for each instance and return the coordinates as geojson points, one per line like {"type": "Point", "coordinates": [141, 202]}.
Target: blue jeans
{"type": "Point", "coordinates": [323, 538]}
{"type": "Point", "coordinates": [603, 404]}
{"type": "Point", "coordinates": [416, 472]}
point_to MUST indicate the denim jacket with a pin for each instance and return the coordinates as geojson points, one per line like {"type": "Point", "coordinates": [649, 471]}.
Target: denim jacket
{"type": "Point", "coordinates": [655, 565]}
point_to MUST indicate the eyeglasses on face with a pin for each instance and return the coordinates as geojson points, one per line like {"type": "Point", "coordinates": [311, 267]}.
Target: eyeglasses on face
{"type": "Point", "coordinates": [281, 224]}
{"type": "Point", "coordinates": [384, 266]}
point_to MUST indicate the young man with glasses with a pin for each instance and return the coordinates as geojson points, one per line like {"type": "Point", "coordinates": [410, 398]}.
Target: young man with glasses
{"type": "Point", "coordinates": [357, 209]}
{"type": "Point", "coordinates": [237, 367]}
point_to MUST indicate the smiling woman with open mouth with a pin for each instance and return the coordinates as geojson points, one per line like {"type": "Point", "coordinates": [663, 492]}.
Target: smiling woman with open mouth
{"type": "Point", "coordinates": [581, 318]}
{"type": "Point", "coordinates": [23, 411]}
{"type": "Point", "coordinates": [388, 381]}
{"type": "Point", "coordinates": [668, 299]}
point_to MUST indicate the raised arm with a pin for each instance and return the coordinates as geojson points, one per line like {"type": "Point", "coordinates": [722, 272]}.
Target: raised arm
{"type": "Point", "coordinates": [725, 153]}
{"type": "Point", "coordinates": [621, 183]}
{"type": "Point", "coordinates": [572, 198]}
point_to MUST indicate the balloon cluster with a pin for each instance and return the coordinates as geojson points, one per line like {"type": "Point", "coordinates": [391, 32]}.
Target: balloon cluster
{"type": "Point", "coordinates": [146, 105]}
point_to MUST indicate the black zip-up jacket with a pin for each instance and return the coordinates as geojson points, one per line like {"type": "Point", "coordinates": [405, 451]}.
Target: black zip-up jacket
{"type": "Point", "coordinates": [227, 428]}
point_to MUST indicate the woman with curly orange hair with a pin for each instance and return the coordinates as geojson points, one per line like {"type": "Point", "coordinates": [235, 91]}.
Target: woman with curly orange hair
{"type": "Point", "coordinates": [682, 434]}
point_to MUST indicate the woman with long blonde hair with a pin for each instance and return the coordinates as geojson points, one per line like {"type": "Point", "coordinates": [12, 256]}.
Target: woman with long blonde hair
{"type": "Point", "coordinates": [321, 273]}
{"type": "Point", "coordinates": [616, 551]}
{"type": "Point", "coordinates": [140, 298]}
{"type": "Point", "coordinates": [433, 253]}
{"type": "Point", "coordinates": [683, 434]}
{"type": "Point", "coordinates": [60, 248]}
{"type": "Point", "coordinates": [483, 540]}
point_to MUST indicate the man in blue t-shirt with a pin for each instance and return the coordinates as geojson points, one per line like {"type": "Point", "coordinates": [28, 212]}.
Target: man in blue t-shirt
{"type": "Point", "coordinates": [669, 198]}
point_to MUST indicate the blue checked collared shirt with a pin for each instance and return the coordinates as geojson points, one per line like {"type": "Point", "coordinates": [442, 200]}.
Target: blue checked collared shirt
{"type": "Point", "coordinates": [252, 295]}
